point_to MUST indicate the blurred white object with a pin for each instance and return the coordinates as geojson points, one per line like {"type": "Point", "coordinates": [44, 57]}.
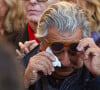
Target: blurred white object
{"type": "Point", "coordinates": [56, 63]}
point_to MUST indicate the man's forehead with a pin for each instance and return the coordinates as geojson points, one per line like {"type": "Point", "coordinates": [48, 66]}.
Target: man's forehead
{"type": "Point", "coordinates": [55, 35]}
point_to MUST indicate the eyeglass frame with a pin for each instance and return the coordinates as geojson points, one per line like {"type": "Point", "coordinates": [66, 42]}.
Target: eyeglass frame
{"type": "Point", "coordinates": [65, 44]}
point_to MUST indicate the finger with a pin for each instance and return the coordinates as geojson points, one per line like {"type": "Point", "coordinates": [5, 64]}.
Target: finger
{"type": "Point", "coordinates": [26, 50]}
{"type": "Point", "coordinates": [92, 51]}
{"type": "Point", "coordinates": [47, 64]}
{"type": "Point", "coordinates": [43, 60]}
{"type": "Point", "coordinates": [22, 46]}
{"type": "Point", "coordinates": [32, 46]}
{"type": "Point", "coordinates": [40, 68]}
{"type": "Point", "coordinates": [84, 43]}
{"type": "Point", "coordinates": [48, 55]}
{"type": "Point", "coordinates": [18, 52]}
{"type": "Point", "coordinates": [28, 44]}
{"type": "Point", "coordinates": [46, 70]}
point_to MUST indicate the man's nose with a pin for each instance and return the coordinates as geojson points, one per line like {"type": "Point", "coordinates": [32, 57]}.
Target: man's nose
{"type": "Point", "coordinates": [65, 59]}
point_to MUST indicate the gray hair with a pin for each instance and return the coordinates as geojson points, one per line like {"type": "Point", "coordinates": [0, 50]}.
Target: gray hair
{"type": "Point", "coordinates": [65, 16]}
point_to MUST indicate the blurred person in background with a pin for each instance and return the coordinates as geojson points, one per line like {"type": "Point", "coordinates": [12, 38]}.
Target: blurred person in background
{"type": "Point", "coordinates": [11, 70]}
{"type": "Point", "coordinates": [92, 8]}
{"type": "Point", "coordinates": [11, 19]}
{"type": "Point", "coordinates": [33, 10]}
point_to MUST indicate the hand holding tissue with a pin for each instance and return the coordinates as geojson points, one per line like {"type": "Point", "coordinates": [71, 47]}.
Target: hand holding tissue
{"type": "Point", "coordinates": [56, 63]}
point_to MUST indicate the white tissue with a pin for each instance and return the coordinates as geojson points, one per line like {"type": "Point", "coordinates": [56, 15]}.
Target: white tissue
{"type": "Point", "coordinates": [56, 63]}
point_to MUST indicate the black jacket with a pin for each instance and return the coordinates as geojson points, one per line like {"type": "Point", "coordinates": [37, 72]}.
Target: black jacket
{"type": "Point", "coordinates": [79, 80]}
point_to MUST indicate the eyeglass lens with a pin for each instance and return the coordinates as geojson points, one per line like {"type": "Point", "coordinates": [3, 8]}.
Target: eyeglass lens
{"type": "Point", "coordinates": [56, 47]}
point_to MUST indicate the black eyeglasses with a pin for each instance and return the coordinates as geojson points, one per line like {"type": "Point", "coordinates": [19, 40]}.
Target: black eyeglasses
{"type": "Point", "coordinates": [58, 46]}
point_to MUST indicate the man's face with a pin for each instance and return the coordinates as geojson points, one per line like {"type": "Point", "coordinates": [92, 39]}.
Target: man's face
{"type": "Point", "coordinates": [34, 8]}
{"type": "Point", "coordinates": [67, 54]}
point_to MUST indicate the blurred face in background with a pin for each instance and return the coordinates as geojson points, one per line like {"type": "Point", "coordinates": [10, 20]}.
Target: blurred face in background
{"type": "Point", "coordinates": [34, 8]}
{"type": "Point", "coordinates": [3, 9]}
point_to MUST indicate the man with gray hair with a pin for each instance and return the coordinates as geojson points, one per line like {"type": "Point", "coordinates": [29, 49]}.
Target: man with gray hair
{"type": "Point", "coordinates": [64, 32]}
